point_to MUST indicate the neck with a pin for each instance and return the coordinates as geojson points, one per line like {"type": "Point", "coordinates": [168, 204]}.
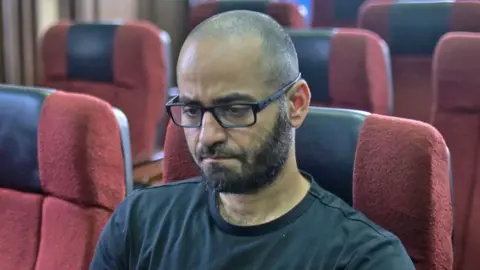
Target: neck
{"type": "Point", "coordinates": [267, 204]}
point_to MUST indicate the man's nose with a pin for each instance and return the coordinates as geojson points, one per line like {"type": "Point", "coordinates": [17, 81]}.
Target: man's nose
{"type": "Point", "coordinates": [211, 132]}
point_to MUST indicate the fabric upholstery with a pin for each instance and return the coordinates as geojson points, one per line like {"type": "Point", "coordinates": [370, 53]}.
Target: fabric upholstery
{"type": "Point", "coordinates": [412, 30]}
{"type": "Point", "coordinates": [402, 182]}
{"type": "Point", "coordinates": [123, 64]}
{"type": "Point", "coordinates": [335, 13]}
{"type": "Point", "coordinates": [457, 117]}
{"type": "Point", "coordinates": [345, 68]}
{"type": "Point", "coordinates": [61, 176]}
{"type": "Point", "coordinates": [286, 14]}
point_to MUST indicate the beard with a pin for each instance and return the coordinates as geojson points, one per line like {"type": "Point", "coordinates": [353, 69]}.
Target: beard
{"type": "Point", "coordinates": [259, 167]}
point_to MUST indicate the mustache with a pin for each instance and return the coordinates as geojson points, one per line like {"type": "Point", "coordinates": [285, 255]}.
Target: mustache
{"type": "Point", "coordinates": [217, 151]}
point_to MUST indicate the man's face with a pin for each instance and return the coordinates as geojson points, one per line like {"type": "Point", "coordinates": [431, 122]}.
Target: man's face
{"type": "Point", "coordinates": [233, 160]}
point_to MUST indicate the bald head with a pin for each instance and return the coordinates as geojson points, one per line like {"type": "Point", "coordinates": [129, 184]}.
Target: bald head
{"type": "Point", "coordinates": [276, 60]}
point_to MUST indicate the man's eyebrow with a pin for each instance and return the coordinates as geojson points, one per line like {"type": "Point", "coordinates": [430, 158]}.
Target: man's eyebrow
{"type": "Point", "coordinates": [187, 100]}
{"type": "Point", "coordinates": [233, 98]}
{"type": "Point", "coordinates": [230, 98]}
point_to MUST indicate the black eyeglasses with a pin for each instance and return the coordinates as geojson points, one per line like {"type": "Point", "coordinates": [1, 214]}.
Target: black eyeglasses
{"type": "Point", "coordinates": [229, 115]}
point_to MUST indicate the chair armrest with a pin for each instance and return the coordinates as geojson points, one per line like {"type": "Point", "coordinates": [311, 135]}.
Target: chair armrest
{"type": "Point", "coordinates": [150, 170]}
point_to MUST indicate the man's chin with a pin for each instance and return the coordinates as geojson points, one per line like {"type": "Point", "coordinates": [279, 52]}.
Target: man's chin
{"type": "Point", "coordinates": [221, 178]}
{"type": "Point", "coordinates": [219, 162]}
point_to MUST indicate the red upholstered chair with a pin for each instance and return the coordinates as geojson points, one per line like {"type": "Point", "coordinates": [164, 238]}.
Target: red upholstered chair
{"type": "Point", "coordinates": [412, 29]}
{"type": "Point", "coordinates": [402, 182]}
{"type": "Point", "coordinates": [456, 79]}
{"type": "Point", "coordinates": [335, 13]}
{"type": "Point", "coordinates": [286, 14]}
{"type": "Point", "coordinates": [62, 174]}
{"type": "Point", "coordinates": [346, 68]}
{"type": "Point", "coordinates": [124, 64]}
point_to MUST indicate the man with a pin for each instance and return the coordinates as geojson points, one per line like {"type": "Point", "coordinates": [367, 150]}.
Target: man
{"type": "Point", "coordinates": [241, 99]}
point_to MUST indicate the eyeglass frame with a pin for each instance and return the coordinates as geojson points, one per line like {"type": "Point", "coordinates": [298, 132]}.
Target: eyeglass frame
{"type": "Point", "coordinates": [256, 106]}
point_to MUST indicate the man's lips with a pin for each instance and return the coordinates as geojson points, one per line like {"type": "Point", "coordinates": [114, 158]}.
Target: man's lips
{"type": "Point", "coordinates": [216, 158]}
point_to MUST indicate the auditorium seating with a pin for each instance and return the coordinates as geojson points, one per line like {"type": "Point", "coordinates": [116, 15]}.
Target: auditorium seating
{"type": "Point", "coordinates": [345, 68]}
{"type": "Point", "coordinates": [124, 64]}
{"type": "Point", "coordinates": [335, 13]}
{"type": "Point", "coordinates": [286, 14]}
{"type": "Point", "coordinates": [457, 117]}
{"type": "Point", "coordinates": [402, 182]}
{"type": "Point", "coordinates": [62, 173]}
{"type": "Point", "coordinates": [412, 29]}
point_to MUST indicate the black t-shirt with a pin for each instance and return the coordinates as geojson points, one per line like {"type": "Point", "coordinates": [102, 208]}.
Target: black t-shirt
{"type": "Point", "coordinates": [178, 227]}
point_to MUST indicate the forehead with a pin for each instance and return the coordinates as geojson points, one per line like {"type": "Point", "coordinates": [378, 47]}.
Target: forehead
{"type": "Point", "coordinates": [212, 68]}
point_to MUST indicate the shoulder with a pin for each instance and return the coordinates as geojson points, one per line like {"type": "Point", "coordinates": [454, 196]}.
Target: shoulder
{"type": "Point", "coordinates": [366, 245]}
{"type": "Point", "coordinates": [147, 201]}
{"type": "Point", "coordinates": [169, 190]}
{"type": "Point", "coordinates": [343, 214]}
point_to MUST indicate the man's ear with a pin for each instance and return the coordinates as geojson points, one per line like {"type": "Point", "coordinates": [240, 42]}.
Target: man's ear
{"type": "Point", "coordinates": [299, 102]}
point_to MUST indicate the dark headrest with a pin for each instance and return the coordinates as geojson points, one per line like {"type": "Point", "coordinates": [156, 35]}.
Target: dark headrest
{"type": "Point", "coordinates": [90, 52]}
{"type": "Point", "coordinates": [326, 145]}
{"type": "Point", "coordinates": [346, 10]}
{"type": "Point", "coordinates": [258, 6]}
{"type": "Point", "coordinates": [20, 109]}
{"type": "Point", "coordinates": [313, 49]}
{"type": "Point", "coordinates": [421, 21]}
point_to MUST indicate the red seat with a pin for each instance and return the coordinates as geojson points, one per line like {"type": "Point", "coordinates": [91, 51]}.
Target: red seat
{"type": "Point", "coordinates": [335, 13]}
{"type": "Point", "coordinates": [124, 64]}
{"type": "Point", "coordinates": [286, 14]}
{"type": "Point", "coordinates": [61, 176]}
{"type": "Point", "coordinates": [412, 30]}
{"type": "Point", "coordinates": [457, 81]}
{"type": "Point", "coordinates": [345, 68]}
{"type": "Point", "coordinates": [402, 182]}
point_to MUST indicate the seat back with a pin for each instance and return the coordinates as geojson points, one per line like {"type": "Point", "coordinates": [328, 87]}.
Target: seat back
{"type": "Point", "coordinates": [286, 14]}
{"type": "Point", "coordinates": [457, 117]}
{"type": "Point", "coordinates": [333, 133]}
{"type": "Point", "coordinates": [345, 68]}
{"type": "Point", "coordinates": [402, 182]}
{"type": "Point", "coordinates": [412, 30]}
{"type": "Point", "coordinates": [123, 64]}
{"type": "Point", "coordinates": [61, 176]}
{"type": "Point", "coordinates": [335, 13]}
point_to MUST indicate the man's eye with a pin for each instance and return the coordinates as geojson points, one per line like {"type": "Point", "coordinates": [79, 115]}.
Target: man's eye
{"type": "Point", "coordinates": [190, 111]}
{"type": "Point", "coordinates": [237, 110]}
